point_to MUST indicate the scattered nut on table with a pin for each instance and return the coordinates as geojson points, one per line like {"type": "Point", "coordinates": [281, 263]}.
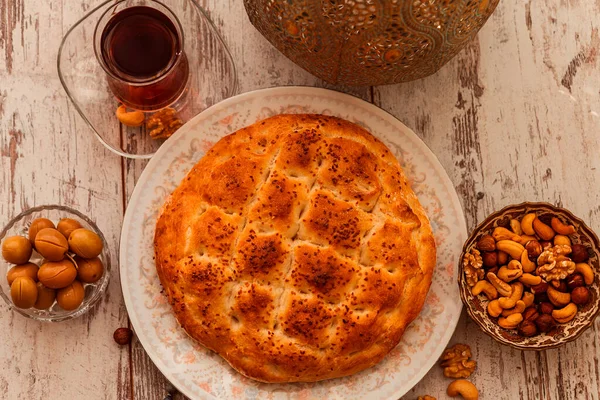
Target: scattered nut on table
{"type": "Point", "coordinates": [123, 336]}
{"type": "Point", "coordinates": [464, 388]}
{"type": "Point", "coordinates": [456, 361]}
{"type": "Point", "coordinates": [426, 397]}
{"type": "Point", "coordinates": [532, 271]}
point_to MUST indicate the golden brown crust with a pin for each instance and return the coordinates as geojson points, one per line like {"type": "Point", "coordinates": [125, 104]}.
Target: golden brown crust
{"type": "Point", "coordinates": [296, 249]}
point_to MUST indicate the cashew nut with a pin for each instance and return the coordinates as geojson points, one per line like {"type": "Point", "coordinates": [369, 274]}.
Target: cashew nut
{"type": "Point", "coordinates": [543, 230]}
{"type": "Point", "coordinates": [565, 314]}
{"type": "Point", "coordinates": [503, 288]}
{"type": "Point", "coordinates": [514, 249]}
{"type": "Point", "coordinates": [530, 280]}
{"type": "Point", "coordinates": [510, 322]}
{"type": "Point", "coordinates": [527, 224]}
{"type": "Point", "coordinates": [585, 270]}
{"type": "Point", "coordinates": [528, 265]}
{"type": "Point", "coordinates": [526, 238]}
{"type": "Point", "coordinates": [517, 309]}
{"type": "Point", "coordinates": [132, 118]}
{"type": "Point", "coordinates": [561, 239]}
{"type": "Point", "coordinates": [561, 228]}
{"type": "Point", "coordinates": [557, 298]}
{"type": "Point", "coordinates": [462, 387]}
{"type": "Point", "coordinates": [508, 275]}
{"type": "Point", "coordinates": [511, 301]}
{"type": "Point", "coordinates": [516, 227]}
{"type": "Point", "coordinates": [528, 299]}
{"type": "Point", "coordinates": [486, 287]}
{"type": "Point", "coordinates": [501, 233]}
{"type": "Point", "coordinates": [494, 308]}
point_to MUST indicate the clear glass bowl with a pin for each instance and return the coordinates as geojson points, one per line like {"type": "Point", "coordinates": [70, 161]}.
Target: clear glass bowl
{"type": "Point", "coordinates": [93, 291]}
{"type": "Point", "coordinates": [210, 63]}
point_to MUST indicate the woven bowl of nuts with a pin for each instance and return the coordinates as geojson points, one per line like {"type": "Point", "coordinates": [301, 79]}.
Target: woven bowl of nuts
{"type": "Point", "coordinates": [529, 276]}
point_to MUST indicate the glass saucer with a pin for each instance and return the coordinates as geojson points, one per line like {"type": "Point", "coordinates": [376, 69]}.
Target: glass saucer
{"type": "Point", "coordinates": [82, 77]}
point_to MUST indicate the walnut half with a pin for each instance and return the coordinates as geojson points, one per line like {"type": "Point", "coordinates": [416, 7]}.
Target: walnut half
{"type": "Point", "coordinates": [554, 264]}
{"type": "Point", "coordinates": [472, 263]}
{"type": "Point", "coordinates": [456, 363]}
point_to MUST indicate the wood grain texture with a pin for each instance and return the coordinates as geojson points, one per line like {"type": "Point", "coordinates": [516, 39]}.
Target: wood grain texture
{"type": "Point", "coordinates": [515, 116]}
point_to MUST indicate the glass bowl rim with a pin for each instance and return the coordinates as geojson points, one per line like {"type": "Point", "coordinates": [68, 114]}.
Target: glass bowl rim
{"type": "Point", "coordinates": [99, 290]}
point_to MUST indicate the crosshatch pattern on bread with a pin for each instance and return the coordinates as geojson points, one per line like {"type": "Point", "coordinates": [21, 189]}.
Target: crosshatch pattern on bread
{"type": "Point", "coordinates": [296, 250]}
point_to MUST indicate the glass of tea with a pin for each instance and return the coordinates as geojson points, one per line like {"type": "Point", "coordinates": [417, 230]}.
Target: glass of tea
{"type": "Point", "coordinates": [139, 44]}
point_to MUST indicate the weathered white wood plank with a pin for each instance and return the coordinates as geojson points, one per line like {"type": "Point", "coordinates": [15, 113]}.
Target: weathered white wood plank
{"type": "Point", "coordinates": [48, 156]}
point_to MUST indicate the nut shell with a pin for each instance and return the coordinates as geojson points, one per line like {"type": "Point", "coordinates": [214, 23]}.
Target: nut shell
{"type": "Point", "coordinates": [528, 328]}
{"type": "Point", "coordinates": [16, 249]}
{"type": "Point", "coordinates": [534, 249]}
{"type": "Point", "coordinates": [57, 275]}
{"type": "Point", "coordinates": [45, 297]}
{"type": "Point", "coordinates": [580, 295]}
{"type": "Point", "coordinates": [545, 323]}
{"type": "Point", "coordinates": [89, 270]}
{"type": "Point", "coordinates": [66, 226]}
{"type": "Point", "coordinates": [123, 336]}
{"type": "Point", "coordinates": [23, 292]}
{"type": "Point", "coordinates": [28, 269]}
{"type": "Point", "coordinates": [486, 243]}
{"type": "Point", "coordinates": [575, 281]}
{"type": "Point", "coordinates": [37, 225]}
{"type": "Point", "coordinates": [85, 243]}
{"type": "Point", "coordinates": [579, 253]}
{"type": "Point", "coordinates": [51, 244]}
{"type": "Point", "coordinates": [71, 297]}
{"type": "Point", "coordinates": [490, 259]}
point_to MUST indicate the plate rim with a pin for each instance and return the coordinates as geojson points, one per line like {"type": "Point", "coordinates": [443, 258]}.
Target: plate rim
{"type": "Point", "coordinates": [289, 90]}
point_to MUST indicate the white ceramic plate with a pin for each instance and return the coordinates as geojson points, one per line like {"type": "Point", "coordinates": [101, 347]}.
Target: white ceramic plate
{"type": "Point", "coordinates": [200, 373]}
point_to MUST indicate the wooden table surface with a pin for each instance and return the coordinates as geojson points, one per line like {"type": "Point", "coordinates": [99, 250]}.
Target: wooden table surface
{"type": "Point", "coordinates": [513, 117]}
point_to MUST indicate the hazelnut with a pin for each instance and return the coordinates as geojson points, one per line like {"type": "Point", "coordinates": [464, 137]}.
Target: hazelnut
{"type": "Point", "coordinates": [575, 281]}
{"type": "Point", "coordinates": [528, 328]}
{"type": "Point", "coordinates": [530, 314]}
{"type": "Point", "coordinates": [490, 259]}
{"type": "Point", "coordinates": [123, 336]}
{"type": "Point", "coordinates": [534, 249]}
{"type": "Point", "coordinates": [493, 270]}
{"type": "Point", "coordinates": [561, 286]}
{"type": "Point", "coordinates": [579, 253]}
{"type": "Point", "coordinates": [580, 295]}
{"type": "Point", "coordinates": [541, 297]}
{"type": "Point", "coordinates": [540, 288]}
{"type": "Point", "coordinates": [502, 258]}
{"type": "Point", "coordinates": [546, 308]}
{"type": "Point", "coordinates": [545, 322]}
{"type": "Point", "coordinates": [486, 243]}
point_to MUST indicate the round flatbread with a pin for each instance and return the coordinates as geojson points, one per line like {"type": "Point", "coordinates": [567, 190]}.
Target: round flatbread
{"type": "Point", "coordinates": [296, 249]}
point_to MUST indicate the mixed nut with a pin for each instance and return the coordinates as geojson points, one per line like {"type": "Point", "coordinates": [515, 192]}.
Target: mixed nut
{"type": "Point", "coordinates": [531, 272]}
{"type": "Point", "coordinates": [70, 260]}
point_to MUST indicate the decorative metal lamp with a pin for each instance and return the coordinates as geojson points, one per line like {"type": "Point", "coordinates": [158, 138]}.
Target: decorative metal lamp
{"type": "Point", "coordinates": [369, 42]}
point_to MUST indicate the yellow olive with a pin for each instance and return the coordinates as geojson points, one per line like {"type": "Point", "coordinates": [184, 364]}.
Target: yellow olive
{"type": "Point", "coordinates": [45, 297]}
{"type": "Point", "coordinates": [29, 269]}
{"type": "Point", "coordinates": [85, 243]}
{"type": "Point", "coordinates": [16, 249]}
{"type": "Point", "coordinates": [23, 292]}
{"type": "Point", "coordinates": [57, 275]}
{"type": "Point", "coordinates": [71, 297]}
{"type": "Point", "coordinates": [51, 244]}
{"type": "Point", "coordinates": [66, 226]}
{"type": "Point", "coordinates": [37, 225]}
{"type": "Point", "coordinates": [89, 271]}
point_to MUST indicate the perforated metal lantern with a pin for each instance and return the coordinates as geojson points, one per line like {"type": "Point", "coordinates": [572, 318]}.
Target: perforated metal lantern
{"type": "Point", "coordinates": [369, 42]}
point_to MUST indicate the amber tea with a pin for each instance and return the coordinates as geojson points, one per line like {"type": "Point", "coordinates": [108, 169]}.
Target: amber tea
{"type": "Point", "coordinates": [141, 49]}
